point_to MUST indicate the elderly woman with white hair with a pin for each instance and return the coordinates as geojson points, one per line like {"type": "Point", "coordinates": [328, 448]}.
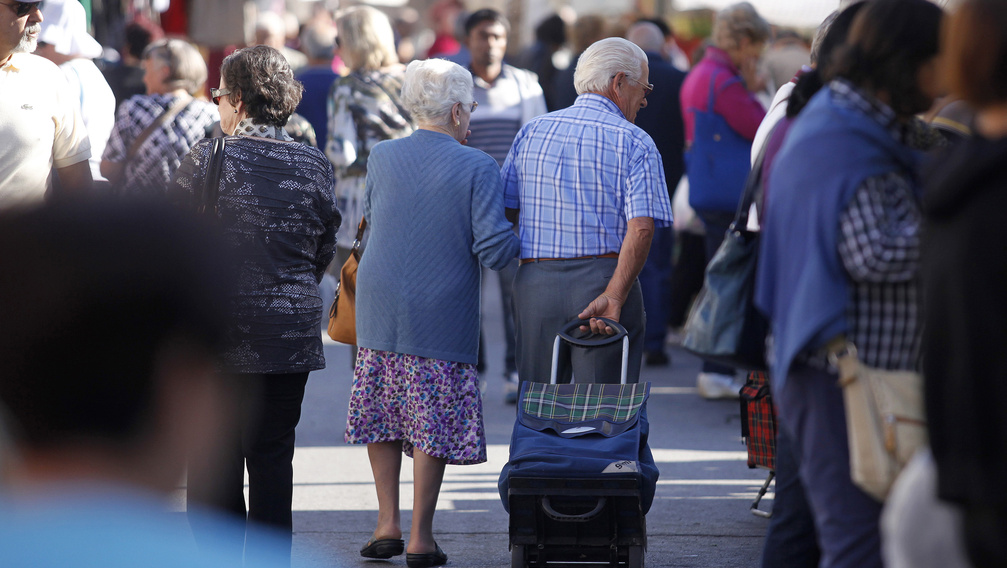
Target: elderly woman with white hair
{"type": "Point", "coordinates": [435, 211]}
{"type": "Point", "coordinates": [364, 108]}
{"type": "Point", "coordinates": [721, 118]}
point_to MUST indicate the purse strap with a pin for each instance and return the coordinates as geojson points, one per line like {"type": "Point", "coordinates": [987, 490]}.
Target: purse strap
{"type": "Point", "coordinates": [355, 249]}
{"type": "Point", "coordinates": [753, 187]}
{"type": "Point", "coordinates": [211, 181]}
{"type": "Point", "coordinates": [168, 115]}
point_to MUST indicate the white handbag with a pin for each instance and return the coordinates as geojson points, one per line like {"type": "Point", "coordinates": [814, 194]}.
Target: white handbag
{"type": "Point", "coordinates": [885, 419]}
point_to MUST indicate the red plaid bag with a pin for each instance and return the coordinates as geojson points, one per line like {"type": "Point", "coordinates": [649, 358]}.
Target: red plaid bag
{"type": "Point", "coordinates": [758, 421]}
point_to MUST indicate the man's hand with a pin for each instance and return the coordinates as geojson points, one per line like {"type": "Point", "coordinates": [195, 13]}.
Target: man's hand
{"type": "Point", "coordinates": [603, 306]}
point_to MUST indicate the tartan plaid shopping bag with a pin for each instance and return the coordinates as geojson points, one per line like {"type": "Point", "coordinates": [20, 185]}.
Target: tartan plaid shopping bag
{"type": "Point", "coordinates": [582, 430]}
{"type": "Point", "coordinates": [758, 421]}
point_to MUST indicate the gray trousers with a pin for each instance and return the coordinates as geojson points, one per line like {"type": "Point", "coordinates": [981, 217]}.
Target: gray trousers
{"type": "Point", "coordinates": [549, 294]}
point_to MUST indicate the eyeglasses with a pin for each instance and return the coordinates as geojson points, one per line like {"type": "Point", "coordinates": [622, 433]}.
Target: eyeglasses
{"type": "Point", "coordinates": [472, 106]}
{"type": "Point", "coordinates": [648, 88]}
{"type": "Point", "coordinates": [215, 95]}
{"type": "Point", "coordinates": [22, 9]}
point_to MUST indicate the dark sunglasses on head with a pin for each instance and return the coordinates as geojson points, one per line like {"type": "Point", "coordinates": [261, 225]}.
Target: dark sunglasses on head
{"type": "Point", "coordinates": [215, 95]}
{"type": "Point", "coordinates": [22, 9]}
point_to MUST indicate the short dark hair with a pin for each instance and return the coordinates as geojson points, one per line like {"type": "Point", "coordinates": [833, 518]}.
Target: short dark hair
{"type": "Point", "coordinates": [551, 30]}
{"type": "Point", "coordinates": [889, 41]}
{"type": "Point", "coordinates": [976, 52]}
{"type": "Point", "coordinates": [260, 77]}
{"type": "Point", "coordinates": [139, 34]}
{"type": "Point", "coordinates": [485, 15]}
{"type": "Point", "coordinates": [90, 296]}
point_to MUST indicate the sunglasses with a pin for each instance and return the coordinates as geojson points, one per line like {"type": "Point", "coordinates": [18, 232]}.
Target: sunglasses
{"type": "Point", "coordinates": [22, 9]}
{"type": "Point", "coordinates": [215, 95]}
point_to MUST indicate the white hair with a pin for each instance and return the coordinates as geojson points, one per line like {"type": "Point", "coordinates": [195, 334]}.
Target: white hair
{"type": "Point", "coordinates": [603, 60]}
{"type": "Point", "coordinates": [432, 86]}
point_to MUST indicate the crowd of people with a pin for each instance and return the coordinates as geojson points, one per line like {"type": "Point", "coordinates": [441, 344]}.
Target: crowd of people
{"type": "Point", "coordinates": [237, 192]}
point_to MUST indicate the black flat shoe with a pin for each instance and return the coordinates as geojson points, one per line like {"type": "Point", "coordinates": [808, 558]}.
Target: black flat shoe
{"type": "Point", "coordinates": [383, 548]}
{"type": "Point", "coordinates": [428, 559]}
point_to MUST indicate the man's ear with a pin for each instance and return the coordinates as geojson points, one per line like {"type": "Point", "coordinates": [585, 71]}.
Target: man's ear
{"type": "Point", "coordinates": [615, 86]}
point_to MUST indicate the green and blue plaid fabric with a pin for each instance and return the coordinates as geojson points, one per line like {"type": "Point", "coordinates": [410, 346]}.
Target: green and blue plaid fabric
{"type": "Point", "coordinates": [583, 402]}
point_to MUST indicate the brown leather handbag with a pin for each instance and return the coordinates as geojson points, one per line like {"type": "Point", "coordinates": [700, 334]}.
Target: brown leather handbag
{"type": "Point", "coordinates": [343, 313]}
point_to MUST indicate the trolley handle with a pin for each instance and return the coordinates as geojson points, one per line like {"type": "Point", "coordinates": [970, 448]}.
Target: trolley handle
{"type": "Point", "coordinates": [562, 517]}
{"type": "Point", "coordinates": [593, 339]}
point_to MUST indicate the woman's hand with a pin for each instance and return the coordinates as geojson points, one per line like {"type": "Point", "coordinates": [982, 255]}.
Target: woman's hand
{"type": "Point", "coordinates": [754, 81]}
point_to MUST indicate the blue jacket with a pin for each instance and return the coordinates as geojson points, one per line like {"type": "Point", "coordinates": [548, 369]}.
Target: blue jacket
{"type": "Point", "coordinates": [801, 285]}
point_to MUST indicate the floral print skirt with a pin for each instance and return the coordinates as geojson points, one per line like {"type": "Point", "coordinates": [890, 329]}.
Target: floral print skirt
{"type": "Point", "coordinates": [429, 404]}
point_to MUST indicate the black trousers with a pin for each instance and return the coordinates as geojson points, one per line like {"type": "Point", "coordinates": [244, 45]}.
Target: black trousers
{"type": "Point", "coordinates": [264, 443]}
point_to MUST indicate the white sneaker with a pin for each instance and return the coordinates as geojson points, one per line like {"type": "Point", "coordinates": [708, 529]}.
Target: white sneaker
{"type": "Point", "coordinates": [712, 386]}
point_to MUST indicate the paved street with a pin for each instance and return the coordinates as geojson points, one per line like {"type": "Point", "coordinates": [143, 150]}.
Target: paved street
{"type": "Point", "coordinates": [700, 516]}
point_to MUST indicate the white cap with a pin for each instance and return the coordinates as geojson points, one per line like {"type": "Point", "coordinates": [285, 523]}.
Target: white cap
{"type": "Point", "coordinates": [64, 26]}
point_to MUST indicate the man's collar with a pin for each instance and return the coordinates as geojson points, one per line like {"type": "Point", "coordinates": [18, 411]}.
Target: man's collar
{"type": "Point", "coordinates": [601, 102]}
{"type": "Point", "coordinates": [480, 82]}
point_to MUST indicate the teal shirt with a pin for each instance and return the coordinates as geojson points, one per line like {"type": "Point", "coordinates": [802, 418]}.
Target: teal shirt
{"type": "Point", "coordinates": [435, 213]}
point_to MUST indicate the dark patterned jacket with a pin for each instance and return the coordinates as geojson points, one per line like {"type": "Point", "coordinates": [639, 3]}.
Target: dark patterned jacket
{"type": "Point", "coordinates": [278, 214]}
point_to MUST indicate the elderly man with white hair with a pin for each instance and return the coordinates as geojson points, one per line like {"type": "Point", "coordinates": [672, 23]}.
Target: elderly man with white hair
{"type": "Point", "coordinates": [588, 189]}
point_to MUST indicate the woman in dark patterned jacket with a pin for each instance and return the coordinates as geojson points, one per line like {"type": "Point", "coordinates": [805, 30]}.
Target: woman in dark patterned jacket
{"type": "Point", "coordinates": [277, 212]}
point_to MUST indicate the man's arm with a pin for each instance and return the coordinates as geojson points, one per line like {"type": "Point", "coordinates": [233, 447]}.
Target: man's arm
{"type": "Point", "coordinates": [75, 180]}
{"type": "Point", "coordinates": [632, 256]}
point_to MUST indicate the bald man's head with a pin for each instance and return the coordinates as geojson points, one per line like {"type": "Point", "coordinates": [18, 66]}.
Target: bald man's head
{"type": "Point", "coordinates": [646, 35]}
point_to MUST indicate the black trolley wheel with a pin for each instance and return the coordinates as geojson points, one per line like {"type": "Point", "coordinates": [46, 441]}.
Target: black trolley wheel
{"type": "Point", "coordinates": [518, 556]}
{"type": "Point", "coordinates": [635, 559]}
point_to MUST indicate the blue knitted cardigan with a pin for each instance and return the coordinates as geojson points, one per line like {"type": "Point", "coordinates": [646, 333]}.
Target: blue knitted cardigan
{"type": "Point", "coordinates": [801, 284]}
{"type": "Point", "coordinates": [435, 212]}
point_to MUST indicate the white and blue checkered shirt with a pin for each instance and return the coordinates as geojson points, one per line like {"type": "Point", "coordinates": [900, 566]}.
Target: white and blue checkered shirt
{"type": "Point", "coordinates": [578, 175]}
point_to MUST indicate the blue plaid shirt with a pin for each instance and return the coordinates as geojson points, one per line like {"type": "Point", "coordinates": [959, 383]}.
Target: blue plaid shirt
{"type": "Point", "coordinates": [578, 175]}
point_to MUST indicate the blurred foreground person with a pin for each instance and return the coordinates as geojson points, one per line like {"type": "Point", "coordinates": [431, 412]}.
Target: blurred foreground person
{"type": "Point", "coordinates": [839, 255]}
{"type": "Point", "coordinates": [109, 385]}
{"type": "Point", "coordinates": [965, 271]}
{"type": "Point", "coordinates": [276, 210]}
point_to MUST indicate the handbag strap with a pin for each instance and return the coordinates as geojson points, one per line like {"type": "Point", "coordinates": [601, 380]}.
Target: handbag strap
{"type": "Point", "coordinates": [753, 187]}
{"type": "Point", "coordinates": [169, 114]}
{"type": "Point", "coordinates": [211, 181]}
{"type": "Point", "coordinates": [355, 249]}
